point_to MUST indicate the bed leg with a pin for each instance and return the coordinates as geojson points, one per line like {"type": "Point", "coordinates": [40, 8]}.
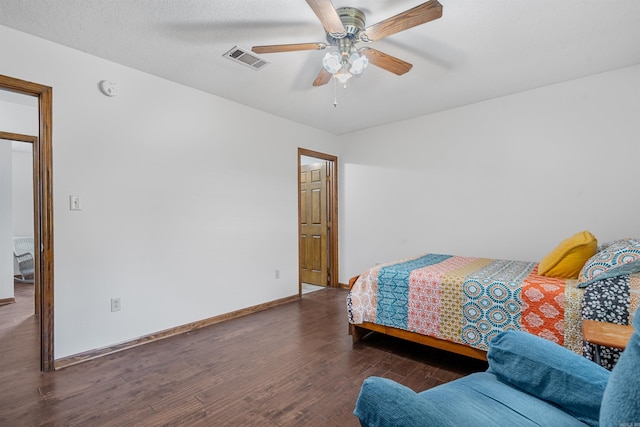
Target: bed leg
{"type": "Point", "coordinates": [356, 333]}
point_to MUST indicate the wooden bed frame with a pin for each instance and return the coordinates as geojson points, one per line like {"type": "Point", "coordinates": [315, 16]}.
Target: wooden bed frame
{"type": "Point", "coordinates": [359, 331]}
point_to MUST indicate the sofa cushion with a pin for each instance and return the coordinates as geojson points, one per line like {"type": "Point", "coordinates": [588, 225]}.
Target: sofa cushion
{"type": "Point", "coordinates": [383, 402]}
{"type": "Point", "coordinates": [476, 400]}
{"type": "Point", "coordinates": [549, 371]}
{"type": "Point", "coordinates": [491, 402]}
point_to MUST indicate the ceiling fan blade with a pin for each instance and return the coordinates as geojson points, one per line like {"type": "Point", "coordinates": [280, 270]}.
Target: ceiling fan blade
{"type": "Point", "coordinates": [403, 21]}
{"type": "Point", "coordinates": [329, 18]}
{"type": "Point", "coordinates": [288, 47]}
{"type": "Point", "coordinates": [388, 62]}
{"type": "Point", "coordinates": [323, 78]}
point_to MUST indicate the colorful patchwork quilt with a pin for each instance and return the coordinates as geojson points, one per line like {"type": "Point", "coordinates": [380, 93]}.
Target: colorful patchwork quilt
{"type": "Point", "coordinates": [468, 300]}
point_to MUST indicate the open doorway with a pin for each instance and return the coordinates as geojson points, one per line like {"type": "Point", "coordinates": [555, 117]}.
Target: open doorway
{"type": "Point", "coordinates": [18, 116]}
{"type": "Point", "coordinates": [19, 320]}
{"type": "Point", "coordinates": [317, 220]}
{"type": "Point", "coordinates": [42, 206]}
{"type": "Point", "coordinates": [17, 260]}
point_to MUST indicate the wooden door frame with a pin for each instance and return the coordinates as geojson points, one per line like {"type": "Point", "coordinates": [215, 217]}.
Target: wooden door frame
{"type": "Point", "coordinates": [43, 208]}
{"type": "Point", "coordinates": [332, 216]}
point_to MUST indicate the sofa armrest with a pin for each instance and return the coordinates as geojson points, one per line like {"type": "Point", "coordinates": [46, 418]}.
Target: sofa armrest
{"type": "Point", "coordinates": [550, 372]}
{"type": "Point", "coordinates": [383, 402]}
{"type": "Point", "coordinates": [620, 401]}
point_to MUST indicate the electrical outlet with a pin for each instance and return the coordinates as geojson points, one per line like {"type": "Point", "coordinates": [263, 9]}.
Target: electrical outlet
{"type": "Point", "coordinates": [115, 304]}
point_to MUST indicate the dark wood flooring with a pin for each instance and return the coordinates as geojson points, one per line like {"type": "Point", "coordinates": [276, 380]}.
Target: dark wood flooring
{"type": "Point", "coordinates": [293, 365]}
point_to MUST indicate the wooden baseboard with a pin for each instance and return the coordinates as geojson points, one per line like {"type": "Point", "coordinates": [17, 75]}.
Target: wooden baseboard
{"type": "Point", "coordinates": [104, 351]}
{"type": "Point", "coordinates": [343, 285]}
{"type": "Point", "coordinates": [6, 301]}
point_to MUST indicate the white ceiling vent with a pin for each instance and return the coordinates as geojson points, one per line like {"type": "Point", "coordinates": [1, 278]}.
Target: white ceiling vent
{"type": "Point", "coordinates": [243, 57]}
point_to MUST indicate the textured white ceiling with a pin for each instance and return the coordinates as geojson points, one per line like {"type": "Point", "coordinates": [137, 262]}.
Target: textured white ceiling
{"type": "Point", "coordinates": [478, 50]}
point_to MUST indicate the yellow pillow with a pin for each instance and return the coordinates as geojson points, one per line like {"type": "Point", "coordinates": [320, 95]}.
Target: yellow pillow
{"type": "Point", "coordinates": [569, 256]}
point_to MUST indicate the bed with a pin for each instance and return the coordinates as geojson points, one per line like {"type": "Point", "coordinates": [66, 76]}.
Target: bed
{"type": "Point", "coordinates": [459, 304]}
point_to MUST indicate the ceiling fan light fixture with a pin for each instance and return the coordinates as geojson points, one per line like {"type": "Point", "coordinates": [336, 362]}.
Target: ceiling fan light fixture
{"type": "Point", "coordinates": [343, 75]}
{"type": "Point", "coordinates": [358, 63]}
{"type": "Point", "coordinates": [332, 62]}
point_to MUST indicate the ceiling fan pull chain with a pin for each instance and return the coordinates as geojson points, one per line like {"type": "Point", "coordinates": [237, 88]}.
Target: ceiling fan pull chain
{"type": "Point", "coordinates": [335, 93]}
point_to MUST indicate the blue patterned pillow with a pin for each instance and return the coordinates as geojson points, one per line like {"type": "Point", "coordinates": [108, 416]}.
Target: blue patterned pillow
{"type": "Point", "coordinates": [605, 245]}
{"type": "Point", "coordinates": [619, 258]}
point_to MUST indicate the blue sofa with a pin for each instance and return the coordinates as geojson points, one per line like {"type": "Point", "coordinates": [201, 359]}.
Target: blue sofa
{"type": "Point", "coordinates": [530, 382]}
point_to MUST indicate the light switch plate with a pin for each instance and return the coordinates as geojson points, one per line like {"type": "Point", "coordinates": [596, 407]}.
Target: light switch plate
{"type": "Point", "coordinates": [74, 203]}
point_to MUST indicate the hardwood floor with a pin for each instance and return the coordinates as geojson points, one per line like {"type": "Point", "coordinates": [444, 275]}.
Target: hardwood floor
{"type": "Point", "coordinates": [292, 365]}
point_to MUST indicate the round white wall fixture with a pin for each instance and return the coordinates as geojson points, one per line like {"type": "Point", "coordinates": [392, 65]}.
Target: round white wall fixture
{"type": "Point", "coordinates": [109, 88]}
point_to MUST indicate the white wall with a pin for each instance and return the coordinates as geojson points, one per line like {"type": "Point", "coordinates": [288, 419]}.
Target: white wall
{"type": "Point", "coordinates": [6, 242]}
{"type": "Point", "coordinates": [182, 218]}
{"type": "Point", "coordinates": [22, 190]}
{"type": "Point", "coordinates": [18, 113]}
{"type": "Point", "coordinates": [507, 178]}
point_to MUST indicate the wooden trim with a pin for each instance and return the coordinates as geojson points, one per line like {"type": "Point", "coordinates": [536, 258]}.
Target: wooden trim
{"type": "Point", "coordinates": [43, 212]}
{"type": "Point", "coordinates": [333, 216]}
{"type": "Point", "coordinates": [45, 227]}
{"type": "Point", "coordinates": [189, 327]}
{"type": "Point", "coordinates": [18, 137]}
{"type": "Point", "coordinates": [359, 331]}
{"type": "Point", "coordinates": [7, 301]}
{"type": "Point", "coordinates": [344, 286]}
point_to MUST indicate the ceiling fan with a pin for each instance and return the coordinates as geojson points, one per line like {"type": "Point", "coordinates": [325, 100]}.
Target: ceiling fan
{"type": "Point", "coordinates": [345, 28]}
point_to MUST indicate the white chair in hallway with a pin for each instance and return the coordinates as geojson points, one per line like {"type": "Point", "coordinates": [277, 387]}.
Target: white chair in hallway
{"type": "Point", "coordinates": [24, 259]}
